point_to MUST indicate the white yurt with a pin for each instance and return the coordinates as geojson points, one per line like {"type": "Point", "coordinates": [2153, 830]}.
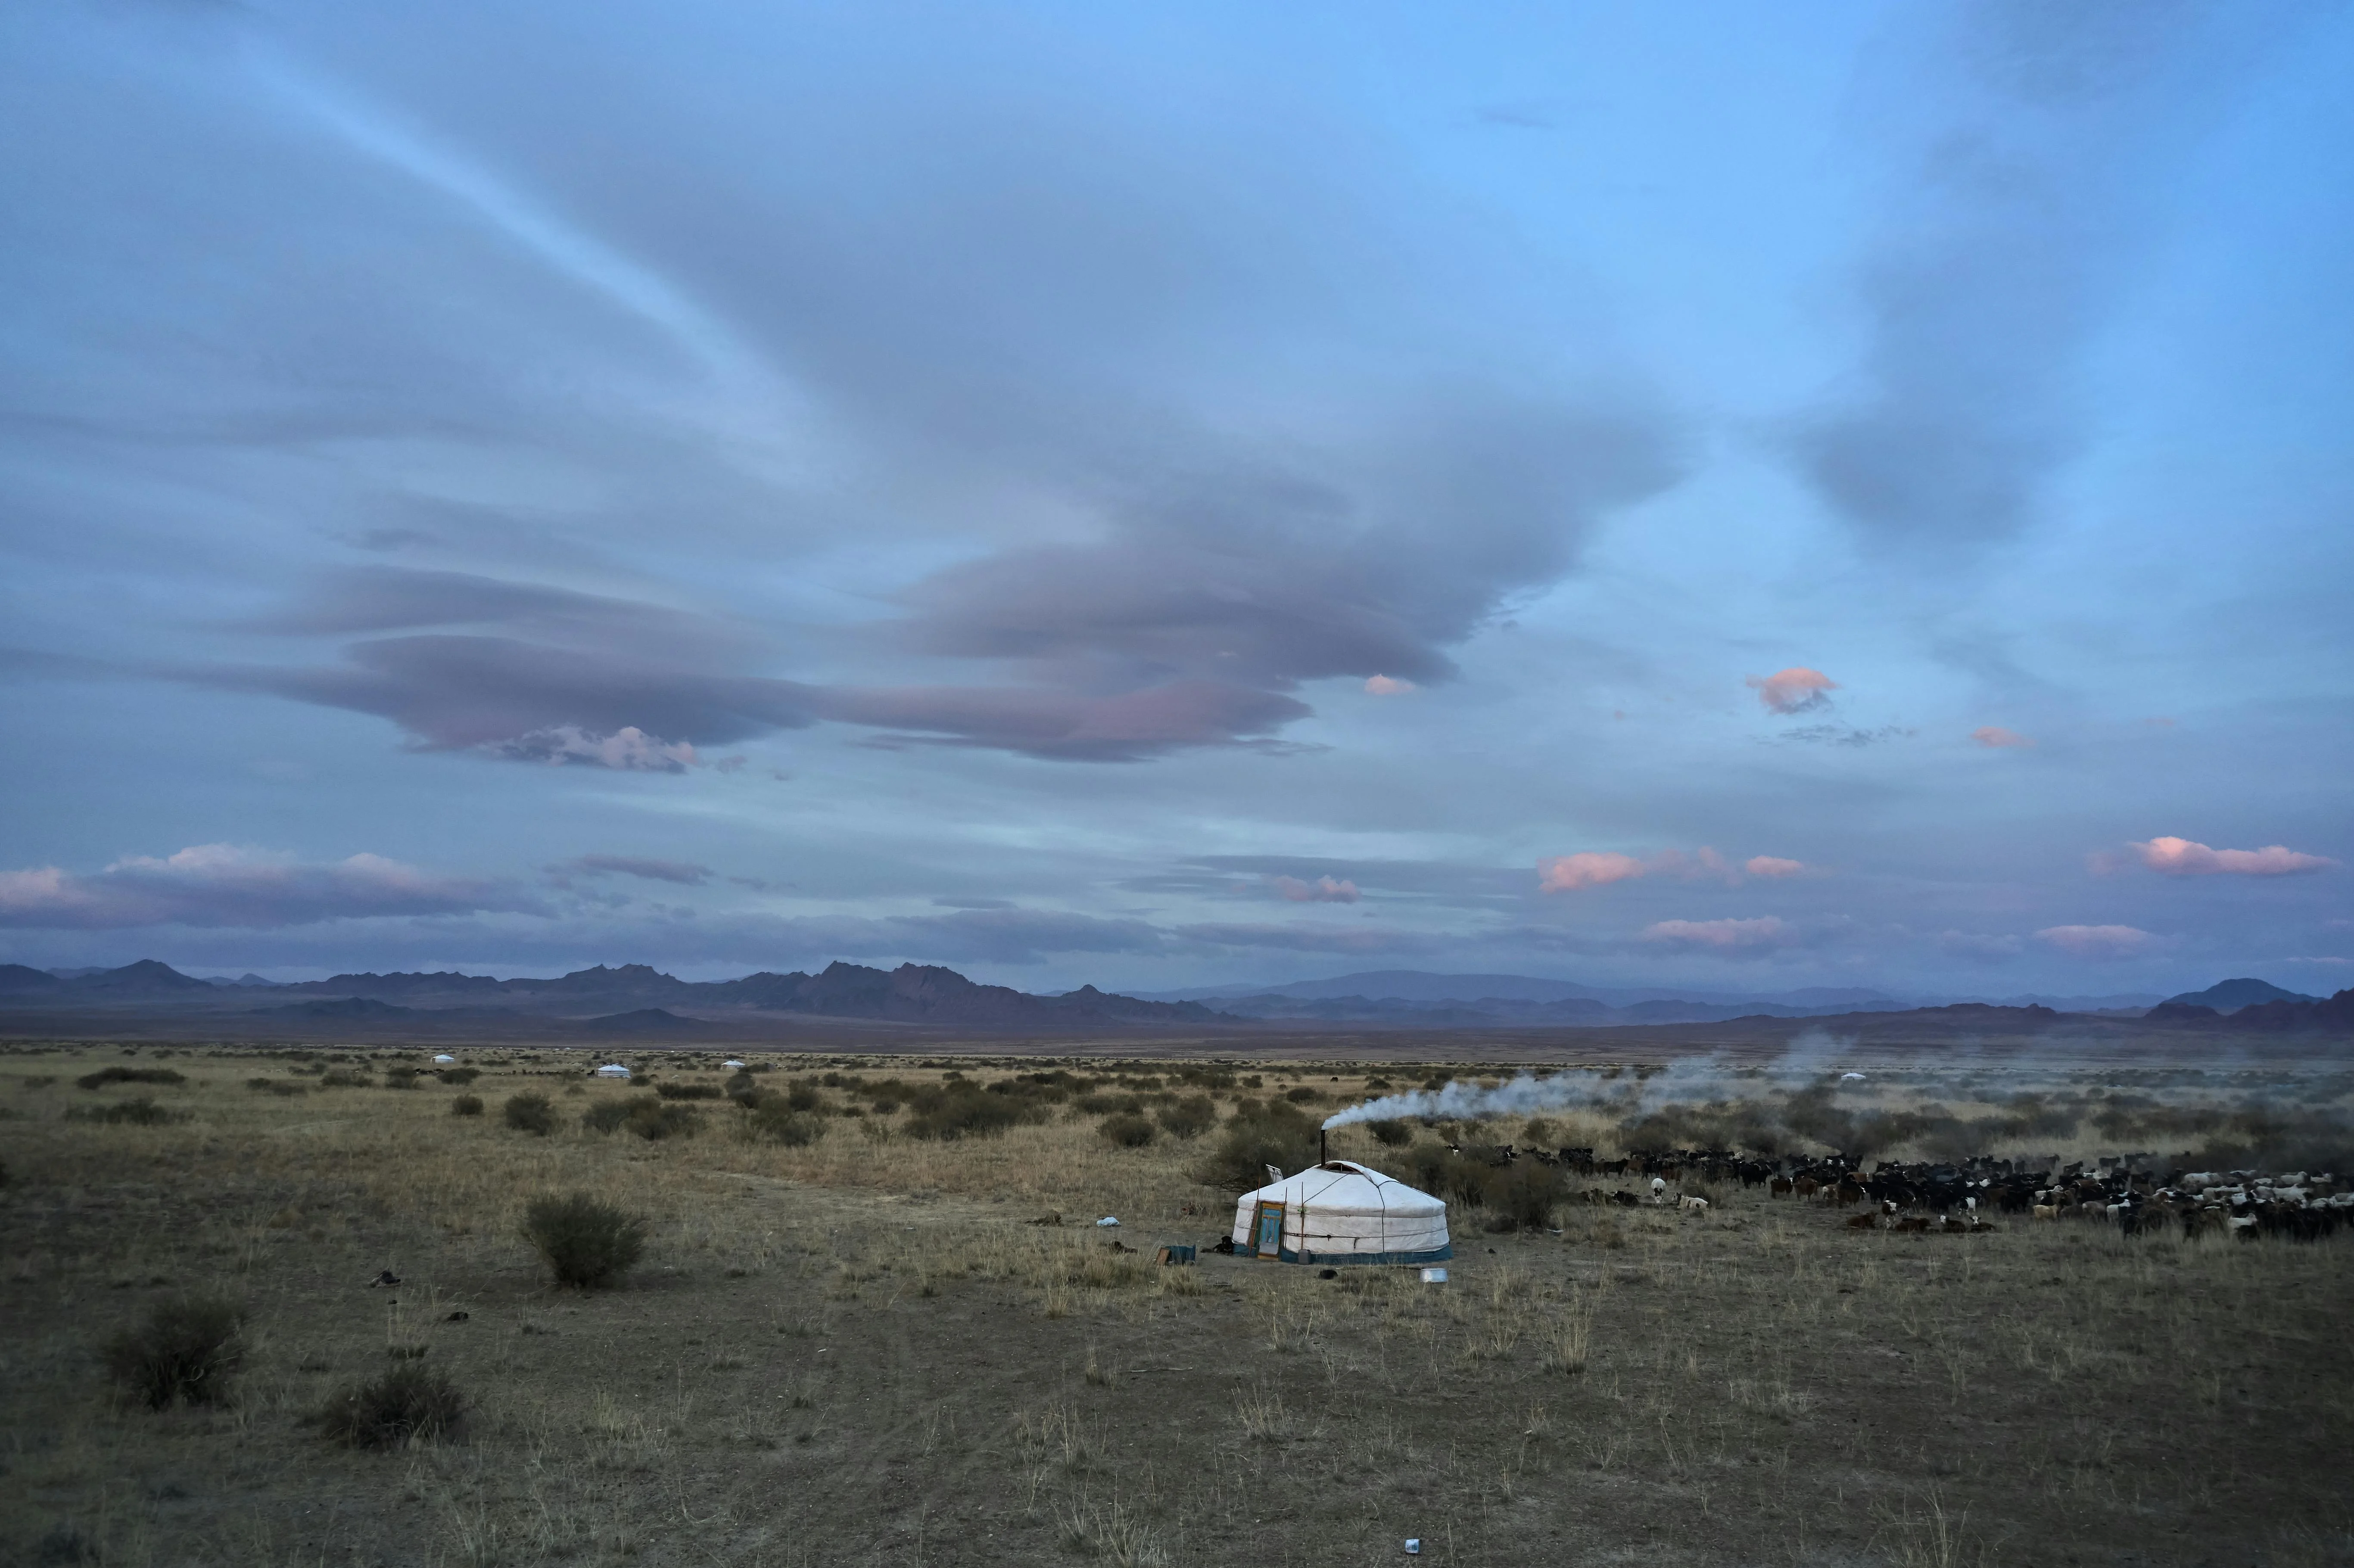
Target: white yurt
{"type": "Point", "coordinates": [1342, 1211]}
{"type": "Point", "coordinates": [612, 1070]}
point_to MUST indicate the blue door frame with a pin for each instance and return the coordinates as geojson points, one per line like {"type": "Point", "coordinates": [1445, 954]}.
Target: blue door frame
{"type": "Point", "coordinates": [1266, 1235]}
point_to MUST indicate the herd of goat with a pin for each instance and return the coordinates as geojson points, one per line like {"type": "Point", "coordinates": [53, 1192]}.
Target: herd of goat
{"type": "Point", "coordinates": [2135, 1193]}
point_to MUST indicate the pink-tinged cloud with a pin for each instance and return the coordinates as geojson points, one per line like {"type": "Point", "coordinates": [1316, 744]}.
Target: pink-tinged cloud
{"type": "Point", "coordinates": [1996, 737]}
{"type": "Point", "coordinates": [1599, 868]}
{"type": "Point", "coordinates": [226, 885]}
{"type": "Point", "coordinates": [1795, 690]}
{"type": "Point", "coordinates": [1763, 935]}
{"type": "Point", "coordinates": [1323, 890]}
{"type": "Point", "coordinates": [1590, 868]}
{"type": "Point", "coordinates": [1389, 687]}
{"type": "Point", "coordinates": [2098, 942]}
{"type": "Point", "coordinates": [2183, 857]}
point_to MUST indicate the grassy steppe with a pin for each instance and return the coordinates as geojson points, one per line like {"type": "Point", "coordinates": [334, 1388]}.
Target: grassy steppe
{"type": "Point", "coordinates": [865, 1349]}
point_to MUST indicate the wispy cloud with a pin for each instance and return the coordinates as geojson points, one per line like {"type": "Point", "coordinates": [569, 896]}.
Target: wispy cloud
{"type": "Point", "coordinates": [1388, 686]}
{"type": "Point", "coordinates": [1600, 868]}
{"type": "Point", "coordinates": [683, 873]}
{"type": "Point", "coordinates": [1588, 868]}
{"type": "Point", "coordinates": [1995, 736]}
{"type": "Point", "coordinates": [1844, 735]}
{"type": "Point", "coordinates": [2023, 209]}
{"type": "Point", "coordinates": [230, 884]}
{"type": "Point", "coordinates": [2099, 942]}
{"type": "Point", "coordinates": [1323, 890]}
{"type": "Point", "coordinates": [1310, 938]}
{"type": "Point", "coordinates": [2183, 857]}
{"type": "Point", "coordinates": [1764, 933]}
{"type": "Point", "coordinates": [1980, 946]}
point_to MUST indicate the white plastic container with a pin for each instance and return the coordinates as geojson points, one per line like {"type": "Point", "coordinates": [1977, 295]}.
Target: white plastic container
{"type": "Point", "coordinates": [1429, 1277]}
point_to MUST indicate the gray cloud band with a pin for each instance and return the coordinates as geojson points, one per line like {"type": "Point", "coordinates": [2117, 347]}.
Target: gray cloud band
{"type": "Point", "coordinates": [1189, 624]}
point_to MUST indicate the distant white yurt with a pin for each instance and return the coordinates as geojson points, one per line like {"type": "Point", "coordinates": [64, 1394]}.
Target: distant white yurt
{"type": "Point", "coordinates": [612, 1070]}
{"type": "Point", "coordinates": [443, 1060]}
{"type": "Point", "coordinates": [731, 1062]}
{"type": "Point", "coordinates": [1342, 1211]}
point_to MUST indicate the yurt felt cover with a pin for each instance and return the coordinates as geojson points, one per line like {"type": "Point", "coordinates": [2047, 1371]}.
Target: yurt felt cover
{"type": "Point", "coordinates": [1342, 1211]}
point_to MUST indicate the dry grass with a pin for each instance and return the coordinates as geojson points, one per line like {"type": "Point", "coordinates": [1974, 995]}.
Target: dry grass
{"type": "Point", "coordinates": [860, 1348]}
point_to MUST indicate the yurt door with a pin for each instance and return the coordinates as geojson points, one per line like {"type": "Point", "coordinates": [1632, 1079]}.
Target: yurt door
{"type": "Point", "coordinates": [1269, 1231]}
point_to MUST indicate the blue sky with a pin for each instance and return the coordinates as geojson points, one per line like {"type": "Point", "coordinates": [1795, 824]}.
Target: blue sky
{"type": "Point", "coordinates": [1733, 496]}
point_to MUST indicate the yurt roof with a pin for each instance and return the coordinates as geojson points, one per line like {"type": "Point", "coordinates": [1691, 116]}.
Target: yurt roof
{"type": "Point", "coordinates": [1345, 1187]}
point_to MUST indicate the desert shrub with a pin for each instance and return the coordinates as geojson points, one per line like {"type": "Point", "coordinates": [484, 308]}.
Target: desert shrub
{"type": "Point", "coordinates": [1521, 1195]}
{"type": "Point", "coordinates": [529, 1113]}
{"type": "Point", "coordinates": [1539, 1131]}
{"type": "Point", "coordinates": [1125, 1131]}
{"type": "Point", "coordinates": [1440, 1172]}
{"type": "Point", "coordinates": [772, 1120]}
{"type": "Point", "coordinates": [184, 1352]}
{"type": "Point", "coordinates": [688, 1091]}
{"type": "Point", "coordinates": [407, 1404]}
{"type": "Point", "coordinates": [654, 1119]}
{"type": "Point", "coordinates": [106, 1076]}
{"type": "Point", "coordinates": [1190, 1117]}
{"type": "Point", "coordinates": [342, 1078]}
{"type": "Point", "coordinates": [803, 1097]}
{"type": "Point", "coordinates": [1390, 1132]}
{"type": "Point", "coordinates": [459, 1077]}
{"type": "Point", "coordinates": [1256, 1137]}
{"type": "Point", "coordinates": [1741, 1124]}
{"type": "Point", "coordinates": [583, 1241]}
{"type": "Point", "coordinates": [466, 1105]}
{"type": "Point", "coordinates": [960, 1108]}
{"type": "Point", "coordinates": [280, 1086]}
{"type": "Point", "coordinates": [1302, 1095]}
{"type": "Point", "coordinates": [140, 1112]}
{"type": "Point", "coordinates": [1105, 1103]}
{"type": "Point", "coordinates": [400, 1077]}
{"type": "Point", "coordinates": [606, 1116]}
{"type": "Point", "coordinates": [39, 1081]}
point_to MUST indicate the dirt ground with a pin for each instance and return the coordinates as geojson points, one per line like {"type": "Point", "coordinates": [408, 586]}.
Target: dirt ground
{"type": "Point", "coordinates": [866, 1350]}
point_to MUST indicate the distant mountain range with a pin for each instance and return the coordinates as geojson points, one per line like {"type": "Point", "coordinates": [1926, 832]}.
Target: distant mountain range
{"type": "Point", "coordinates": [2244, 1005]}
{"type": "Point", "coordinates": [632, 996]}
{"type": "Point", "coordinates": [2231, 995]}
{"type": "Point", "coordinates": [1416, 997]}
{"type": "Point", "coordinates": [635, 999]}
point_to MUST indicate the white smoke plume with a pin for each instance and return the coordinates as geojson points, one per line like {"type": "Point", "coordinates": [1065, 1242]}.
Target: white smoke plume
{"type": "Point", "coordinates": [1691, 1080]}
{"type": "Point", "coordinates": [1464, 1100]}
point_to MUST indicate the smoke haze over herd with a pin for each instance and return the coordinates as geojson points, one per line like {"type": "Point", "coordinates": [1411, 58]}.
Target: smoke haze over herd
{"type": "Point", "coordinates": [1842, 496]}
